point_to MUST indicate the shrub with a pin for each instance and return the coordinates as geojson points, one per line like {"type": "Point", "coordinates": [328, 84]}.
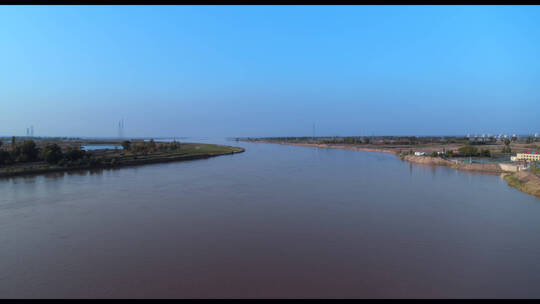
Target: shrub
{"type": "Point", "coordinates": [51, 153]}
{"type": "Point", "coordinates": [95, 162]}
{"type": "Point", "coordinates": [74, 154]}
{"type": "Point", "coordinates": [62, 162]}
{"type": "Point", "coordinates": [485, 152]}
{"type": "Point", "coordinates": [126, 145]}
{"type": "Point", "coordinates": [468, 150]}
{"type": "Point", "coordinates": [5, 157]}
{"type": "Point", "coordinates": [25, 152]}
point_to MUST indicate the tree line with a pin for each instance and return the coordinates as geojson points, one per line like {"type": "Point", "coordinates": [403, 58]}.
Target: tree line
{"type": "Point", "coordinates": [149, 146]}
{"type": "Point", "coordinates": [27, 151]}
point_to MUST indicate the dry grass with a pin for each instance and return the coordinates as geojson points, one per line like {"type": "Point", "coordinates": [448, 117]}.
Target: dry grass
{"type": "Point", "coordinates": [524, 181]}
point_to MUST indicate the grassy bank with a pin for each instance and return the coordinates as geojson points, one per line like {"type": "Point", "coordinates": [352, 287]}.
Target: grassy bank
{"type": "Point", "coordinates": [109, 158]}
{"type": "Point", "coordinates": [524, 181]}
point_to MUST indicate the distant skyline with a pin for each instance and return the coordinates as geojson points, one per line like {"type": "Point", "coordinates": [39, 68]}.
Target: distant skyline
{"type": "Point", "coordinates": [259, 71]}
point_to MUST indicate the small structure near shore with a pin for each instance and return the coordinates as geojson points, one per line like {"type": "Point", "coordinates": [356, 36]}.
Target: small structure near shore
{"type": "Point", "coordinates": [417, 153]}
{"type": "Point", "coordinates": [527, 156]}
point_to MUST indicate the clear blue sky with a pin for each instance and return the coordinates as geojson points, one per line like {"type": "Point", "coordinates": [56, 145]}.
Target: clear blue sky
{"type": "Point", "coordinates": [269, 70]}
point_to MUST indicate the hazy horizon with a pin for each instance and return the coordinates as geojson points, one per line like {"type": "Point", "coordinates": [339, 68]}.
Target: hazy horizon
{"type": "Point", "coordinates": [262, 71]}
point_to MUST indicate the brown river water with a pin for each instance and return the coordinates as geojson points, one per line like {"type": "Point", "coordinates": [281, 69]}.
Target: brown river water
{"type": "Point", "coordinates": [274, 221]}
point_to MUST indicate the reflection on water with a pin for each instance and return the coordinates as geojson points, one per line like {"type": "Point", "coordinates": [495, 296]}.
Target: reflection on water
{"type": "Point", "coordinates": [274, 221]}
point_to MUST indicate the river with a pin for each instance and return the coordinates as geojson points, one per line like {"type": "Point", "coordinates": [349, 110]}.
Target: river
{"type": "Point", "coordinates": [274, 221]}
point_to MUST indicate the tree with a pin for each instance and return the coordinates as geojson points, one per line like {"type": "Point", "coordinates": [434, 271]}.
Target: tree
{"type": "Point", "coordinates": [25, 152]}
{"type": "Point", "coordinates": [468, 150]}
{"type": "Point", "coordinates": [506, 141]}
{"type": "Point", "coordinates": [126, 145]}
{"type": "Point", "coordinates": [74, 154]}
{"type": "Point", "coordinates": [51, 153]}
{"type": "Point", "coordinates": [529, 140]}
{"type": "Point", "coordinates": [366, 140]}
{"type": "Point", "coordinates": [5, 158]}
{"type": "Point", "coordinates": [485, 152]}
{"type": "Point", "coordinates": [434, 154]}
{"type": "Point", "coordinates": [12, 142]}
{"type": "Point", "coordinates": [1, 143]}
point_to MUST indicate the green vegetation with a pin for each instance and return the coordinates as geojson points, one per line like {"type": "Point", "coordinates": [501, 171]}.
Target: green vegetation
{"type": "Point", "coordinates": [51, 153]}
{"type": "Point", "coordinates": [5, 157]}
{"type": "Point", "coordinates": [469, 150]}
{"type": "Point", "coordinates": [126, 145]}
{"type": "Point", "coordinates": [27, 151]}
{"type": "Point", "coordinates": [513, 181]}
{"type": "Point", "coordinates": [28, 158]}
{"type": "Point", "coordinates": [527, 184]}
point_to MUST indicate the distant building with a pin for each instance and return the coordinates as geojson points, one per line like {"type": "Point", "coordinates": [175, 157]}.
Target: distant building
{"type": "Point", "coordinates": [527, 156]}
{"type": "Point", "coordinates": [420, 153]}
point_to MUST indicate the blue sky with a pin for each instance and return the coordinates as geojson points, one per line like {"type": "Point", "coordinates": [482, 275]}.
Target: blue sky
{"type": "Point", "coordinates": [269, 70]}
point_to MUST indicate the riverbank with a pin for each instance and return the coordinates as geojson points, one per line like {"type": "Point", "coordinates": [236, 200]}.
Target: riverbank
{"type": "Point", "coordinates": [110, 158]}
{"type": "Point", "coordinates": [524, 181]}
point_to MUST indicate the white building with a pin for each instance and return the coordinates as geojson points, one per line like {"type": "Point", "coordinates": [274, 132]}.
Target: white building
{"type": "Point", "coordinates": [420, 153]}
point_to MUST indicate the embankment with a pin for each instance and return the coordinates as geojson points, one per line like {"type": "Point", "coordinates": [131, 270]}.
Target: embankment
{"type": "Point", "coordinates": [491, 168]}
{"type": "Point", "coordinates": [524, 181]}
